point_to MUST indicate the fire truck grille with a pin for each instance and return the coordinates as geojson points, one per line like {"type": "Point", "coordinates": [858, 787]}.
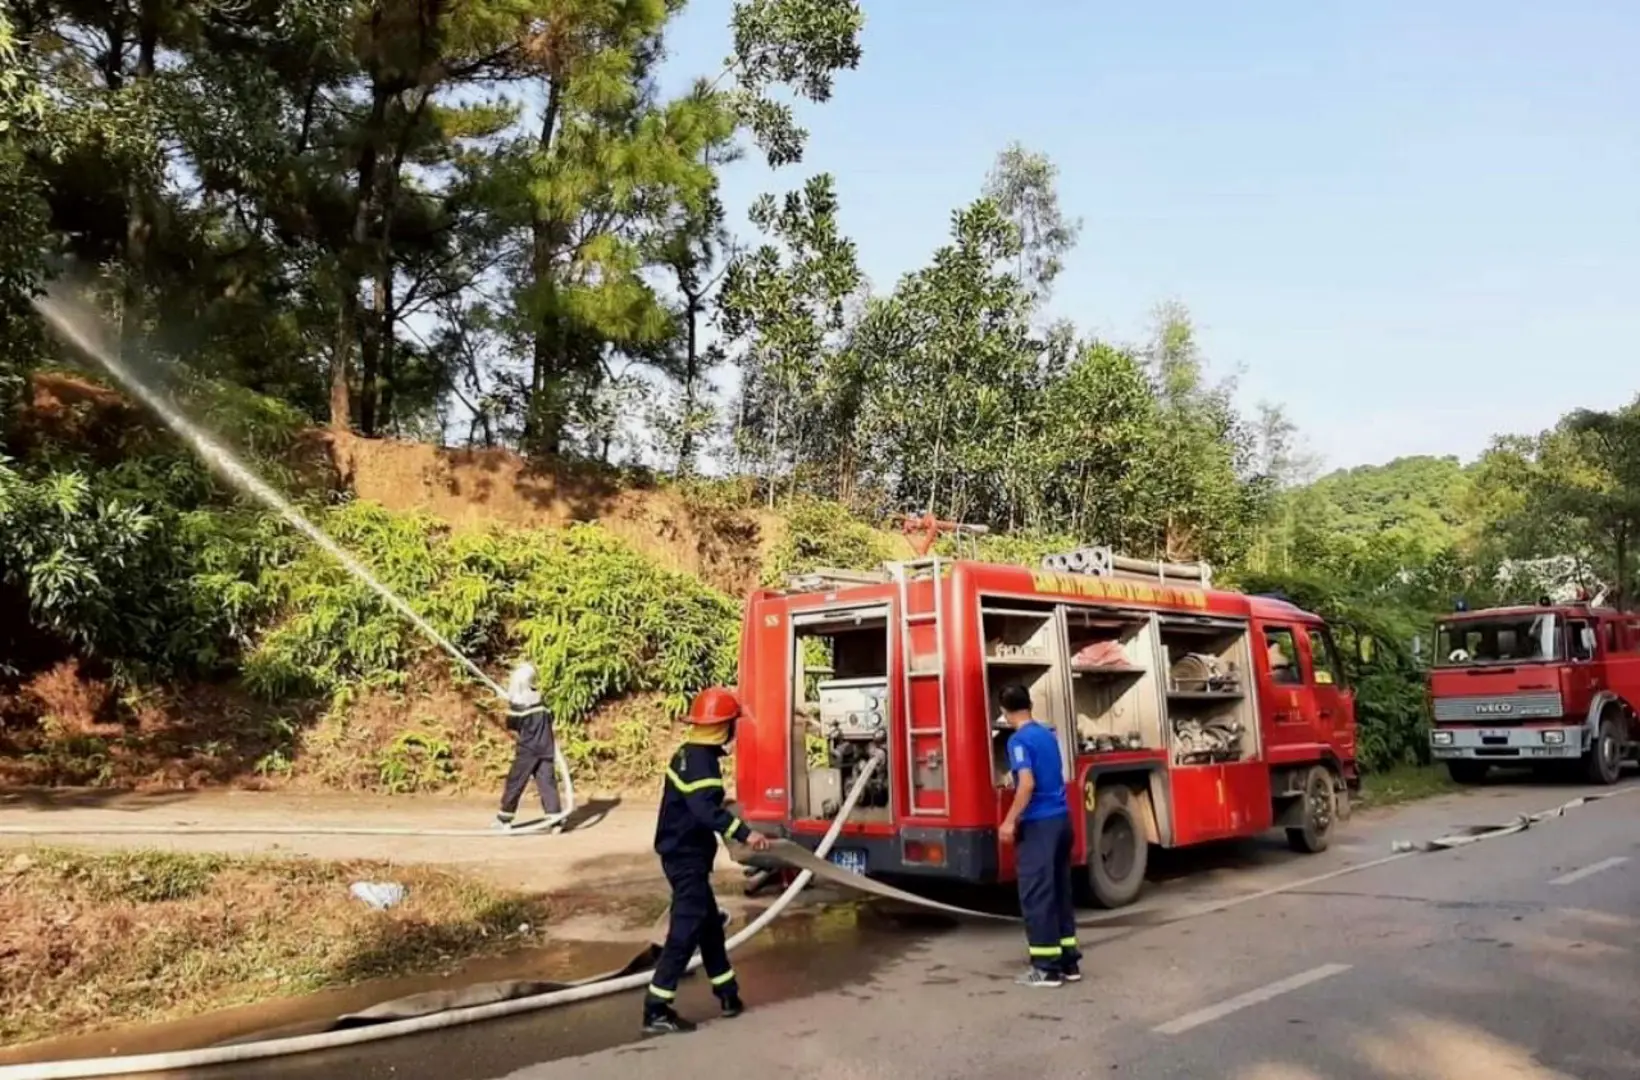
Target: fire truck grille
{"type": "Point", "coordinates": [1501, 709]}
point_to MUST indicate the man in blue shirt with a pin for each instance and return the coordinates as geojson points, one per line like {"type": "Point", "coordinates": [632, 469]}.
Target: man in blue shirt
{"type": "Point", "coordinates": [1038, 824]}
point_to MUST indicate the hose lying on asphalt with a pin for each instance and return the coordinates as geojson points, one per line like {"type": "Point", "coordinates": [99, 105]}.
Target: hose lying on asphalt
{"type": "Point", "coordinates": [636, 974]}
{"type": "Point", "coordinates": [1473, 833]}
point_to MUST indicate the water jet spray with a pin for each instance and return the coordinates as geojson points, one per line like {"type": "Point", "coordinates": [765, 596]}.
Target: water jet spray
{"type": "Point", "coordinates": [72, 322]}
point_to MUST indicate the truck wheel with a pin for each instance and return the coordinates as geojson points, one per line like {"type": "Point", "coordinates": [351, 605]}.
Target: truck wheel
{"type": "Point", "coordinates": [1318, 812]}
{"type": "Point", "coordinates": [1117, 850]}
{"type": "Point", "coordinates": [1604, 761]}
{"type": "Point", "coordinates": [1467, 772]}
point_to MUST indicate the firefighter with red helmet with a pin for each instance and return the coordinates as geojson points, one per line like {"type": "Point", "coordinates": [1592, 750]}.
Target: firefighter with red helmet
{"type": "Point", "coordinates": [692, 817]}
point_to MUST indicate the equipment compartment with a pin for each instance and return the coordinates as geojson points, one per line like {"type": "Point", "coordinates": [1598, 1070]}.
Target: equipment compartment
{"type": "Point", "coordinates": [1114, 694]}
{"type": "Point", "coordinates": [1025, 646]}
{"type": "Point", "coordinates": [1208, 676]}
{"type": "Point", "coordinates": [840, 711]}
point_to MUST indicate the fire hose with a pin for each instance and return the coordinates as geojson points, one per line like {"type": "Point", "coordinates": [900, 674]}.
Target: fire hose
{"type": "Point", "coordinates": [593, 987]}
{"type": "Point", "coordinates": [635, 974]}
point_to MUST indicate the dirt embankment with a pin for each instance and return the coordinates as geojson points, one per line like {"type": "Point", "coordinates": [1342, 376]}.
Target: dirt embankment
{"type": "Point", "coordinates": [479, 488]}
{"type": "Point", "coordinates": [69, 725]}
{"type": "Point", "coordinates": [473, 488]}
{"type": "Point", "coordinates": [64, 721]}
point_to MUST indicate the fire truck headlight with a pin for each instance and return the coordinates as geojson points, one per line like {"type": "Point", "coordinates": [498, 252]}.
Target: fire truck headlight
{"type": "Point", "coordinates": [1554, 738]}
{"type": "Point", "coordinates": [1440, 738]}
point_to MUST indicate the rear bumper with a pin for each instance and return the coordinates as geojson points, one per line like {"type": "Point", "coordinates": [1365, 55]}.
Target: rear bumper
{"type": "Point", "coordinates": [970, 854]}
{"type": "Point", "coordinates": [1507, 744]}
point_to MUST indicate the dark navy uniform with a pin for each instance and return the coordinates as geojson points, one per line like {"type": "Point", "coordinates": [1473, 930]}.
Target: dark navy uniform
{"type": "Point", "coordinates": [692, 818]}
{"type": "Point", "coordinates": [533, 757]}
{"type": "Point", "coordinates": [1042, 854]}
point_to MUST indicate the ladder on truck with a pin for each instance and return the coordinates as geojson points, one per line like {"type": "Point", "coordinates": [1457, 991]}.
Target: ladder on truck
{"type": "Point", "coordinates": [918, 729]}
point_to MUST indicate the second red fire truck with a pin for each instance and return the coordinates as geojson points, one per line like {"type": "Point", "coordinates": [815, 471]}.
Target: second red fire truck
{"type": "Point", "coordinates": [1544, 686]}
{"type": "Point", "coordinates": [1186, 714]}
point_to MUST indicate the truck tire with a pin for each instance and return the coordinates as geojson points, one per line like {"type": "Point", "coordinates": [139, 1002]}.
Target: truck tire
{"type": "Point", "coordinates": [1117, 850]}
{"type": "Point", "coordinates": [1467, 772]}
{"type": "Point", "coordinates": [1318, 810]}
{"type": "Point", "coordinates": [1603, 764]}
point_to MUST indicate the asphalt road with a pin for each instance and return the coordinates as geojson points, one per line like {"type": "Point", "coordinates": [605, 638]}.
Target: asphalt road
{"type": "Point", "coordinates": [1512, 959]}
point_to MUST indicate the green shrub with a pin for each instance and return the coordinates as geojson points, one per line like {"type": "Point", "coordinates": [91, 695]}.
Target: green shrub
{"type": "Point", "coordinates": [824, 534]}
{"type": "Point", "coordinates": [148, 567]}
{"type": "Point", "coordinates": [1018, 549]}
{"type": "Point", "coordinates": [597, 619]}
{"type": "Point", "coordinates": [415, 761]}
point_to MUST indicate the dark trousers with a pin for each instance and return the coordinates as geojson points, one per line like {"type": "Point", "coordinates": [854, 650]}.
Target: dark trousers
{"type": "Point", "coordinates": [525, 765]}
{"type": "Point", "coordinates": [1042, 850]}
{"type": "Point", "coordinates": [695, 925]}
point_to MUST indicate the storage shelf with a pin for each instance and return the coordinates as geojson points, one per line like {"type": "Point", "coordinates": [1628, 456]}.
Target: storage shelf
{"type": "Point", "coordinates": [1111, 670]}
{"type": "Point", "coordinates": [1084, 750]}
{"type": "Point", "coordinates": [1018, 661]}
{"type": "Point", "coordinates": [1205, 695]}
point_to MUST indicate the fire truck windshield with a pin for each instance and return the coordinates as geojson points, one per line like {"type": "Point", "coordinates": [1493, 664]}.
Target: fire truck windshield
{"type": "Point", "coordinates": [1499, 639]}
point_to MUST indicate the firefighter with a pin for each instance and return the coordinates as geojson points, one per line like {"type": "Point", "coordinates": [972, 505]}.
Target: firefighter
{"type": "Point", "coordinates": [692, 817]}
{"type": "Point", "coordinates": [534, 754]}
{"type": "Point", "coordinates": [1038, 824]}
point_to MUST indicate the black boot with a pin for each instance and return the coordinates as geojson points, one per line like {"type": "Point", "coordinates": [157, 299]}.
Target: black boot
{"type": "Point", "coordinates": [732, 1006]}
{"type": "Point", "coordinates": [664, 1020]}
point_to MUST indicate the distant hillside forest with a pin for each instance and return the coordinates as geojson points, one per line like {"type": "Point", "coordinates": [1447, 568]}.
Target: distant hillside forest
{"type": "Point", "coordinates": [486, 229]}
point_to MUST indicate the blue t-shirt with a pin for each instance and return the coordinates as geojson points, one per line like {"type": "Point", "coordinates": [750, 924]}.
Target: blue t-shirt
{"type": "Point", "coordinates": [1035, 747]}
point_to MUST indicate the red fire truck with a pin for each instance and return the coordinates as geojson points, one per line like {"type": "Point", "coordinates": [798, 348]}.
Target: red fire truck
{"type": "Point", "coordinates": [1545, 686]}
{"type": "Point", "coordinates": [1186, 714]}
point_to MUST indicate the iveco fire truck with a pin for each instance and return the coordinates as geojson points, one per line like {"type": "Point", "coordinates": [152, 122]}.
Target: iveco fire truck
{"type": "Point", "coordinates": [1549, 685]}
{"type": "Point", "coordinates": [1186, 714]}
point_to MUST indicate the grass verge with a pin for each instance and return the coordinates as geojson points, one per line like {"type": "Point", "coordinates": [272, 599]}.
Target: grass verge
{"type": "Point", "coordinates": [90, 940]}
{"type": "Point", "coordinates": [1403, 784]}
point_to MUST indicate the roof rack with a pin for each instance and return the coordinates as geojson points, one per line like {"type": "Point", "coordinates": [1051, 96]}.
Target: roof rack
{"type": "Point", "coordinates": [1101, 561]}
{"type": "Point", "coordinates": [824, 579]}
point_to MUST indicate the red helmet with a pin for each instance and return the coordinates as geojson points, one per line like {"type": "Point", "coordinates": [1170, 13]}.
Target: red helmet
{"type": "Point", "coordinates": [714, 705]}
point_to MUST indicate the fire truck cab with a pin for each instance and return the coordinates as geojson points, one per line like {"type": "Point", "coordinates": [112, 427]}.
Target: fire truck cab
{"type": "Point", "coordinates": [1185, 714]}
{"type": "Point", "coordinates": [1547, 685]}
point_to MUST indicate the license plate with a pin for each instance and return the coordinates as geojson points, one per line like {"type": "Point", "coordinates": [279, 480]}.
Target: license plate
{"type": "Point", "coordinates": [851, 860]}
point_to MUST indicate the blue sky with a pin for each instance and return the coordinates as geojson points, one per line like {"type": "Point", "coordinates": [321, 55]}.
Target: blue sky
{"type": "Point", "coordinates": [1414, 224]}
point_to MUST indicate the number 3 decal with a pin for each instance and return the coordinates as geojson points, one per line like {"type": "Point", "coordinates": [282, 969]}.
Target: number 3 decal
{"type": "Point", "coordinates": [1088, 800]}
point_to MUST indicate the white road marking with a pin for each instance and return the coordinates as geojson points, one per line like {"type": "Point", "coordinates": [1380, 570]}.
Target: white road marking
{"type": "Point", "coordinates": [1590, 870]}
{"type": "Point", "coordinates": [1252, 997]}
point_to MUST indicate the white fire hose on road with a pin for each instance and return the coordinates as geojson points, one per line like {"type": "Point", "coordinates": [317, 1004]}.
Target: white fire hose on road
{"type": "Point", "coordinates": [810, 865]}
{"type": "Point", "coordinates": [595, 987]}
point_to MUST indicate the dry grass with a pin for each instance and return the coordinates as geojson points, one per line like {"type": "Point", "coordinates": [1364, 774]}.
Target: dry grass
{"type": "Point", "coordinates": [92, 940]}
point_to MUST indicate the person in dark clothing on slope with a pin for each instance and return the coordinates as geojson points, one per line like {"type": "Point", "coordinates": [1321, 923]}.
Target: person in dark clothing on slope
{"type": "Point", "coordinates": [1038, 824]}
{"type": "Point", "coordinates": [692, 817]}
{"type": "Point", "coordinates": [536, 752]}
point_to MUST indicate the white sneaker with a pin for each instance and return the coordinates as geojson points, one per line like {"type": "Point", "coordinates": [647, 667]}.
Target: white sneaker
{"type": "Point", "coordinates": [1036, 978]}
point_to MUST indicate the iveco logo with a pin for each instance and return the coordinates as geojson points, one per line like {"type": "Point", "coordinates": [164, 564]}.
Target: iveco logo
{"type": "Point", "coordinates": [1492, 708]}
